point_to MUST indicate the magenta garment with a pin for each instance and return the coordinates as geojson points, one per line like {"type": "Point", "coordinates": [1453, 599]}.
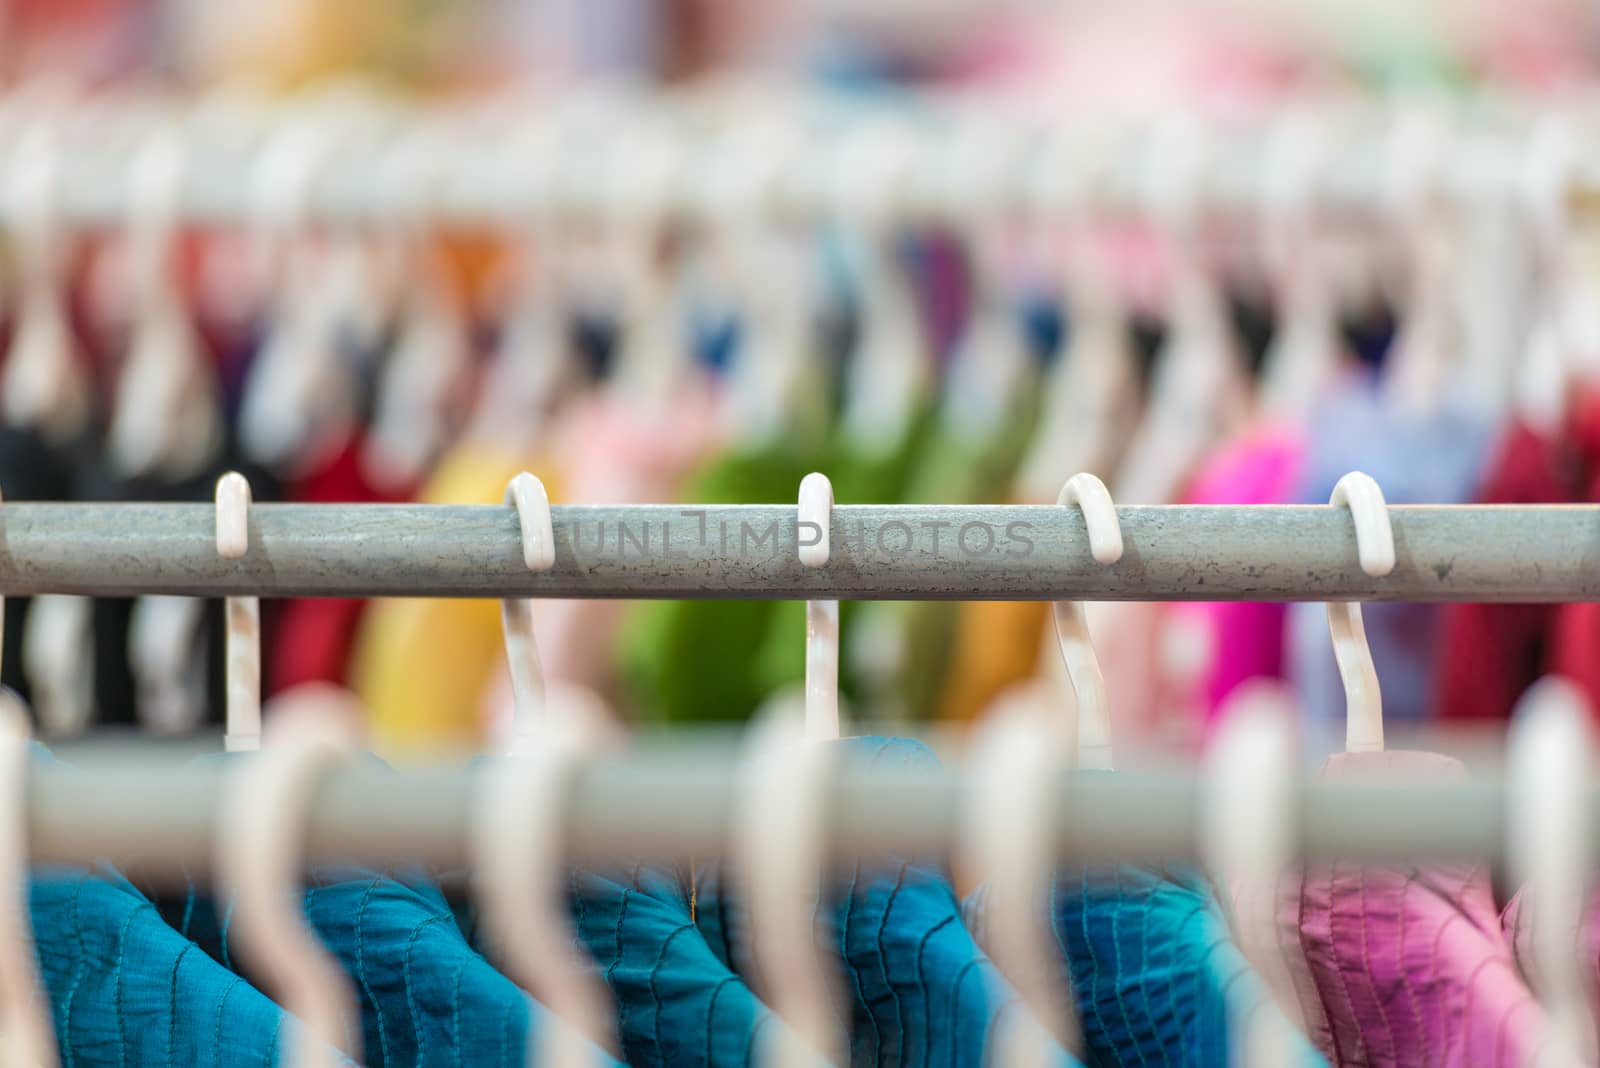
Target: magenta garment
{"type": "Point", "coordinates": [1243, 640]}
{"type": "Point", "coordinates": [1408, 966]}
{"type": "Point", "coordinates": [1517, 922]}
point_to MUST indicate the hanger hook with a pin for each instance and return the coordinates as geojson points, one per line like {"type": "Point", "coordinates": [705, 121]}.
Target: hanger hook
{"type": "Point", "coordinates": [1545, 179]}
{"type": "Point", "coordinates": [29, 1035]}
{"type": "Point", "coordinates": [282, 182]}
{"type": "Point", "coordinates": [1246, 837]}
{"type": "Point", "coordinates": [1296, 155]}
{"type": "Point", "coordinates": [1375, 550]}
{"type": "Point", "coordinates": [1091, 497]}
{"type": "Point", "coordinates": [537, 529]}
{"type": "Point", "coordinates": [243, 730]}
{"type": "Point", "coordinates": [1009, 836]}
{"type": "Point", "coordinates": [780, 849]}
{"type": "Point", "coordinates": [259, 856]}
{"type": "Point", "coordinates": [519, 876]}
{"type": "Point", "coordinates": [156, 184]}
{"type": "Point", "coordinates": [1548, 849]}
{"type": "Point", "coordinates": [822, 616]}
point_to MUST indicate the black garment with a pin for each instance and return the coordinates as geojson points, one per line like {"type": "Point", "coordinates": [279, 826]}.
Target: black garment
{"type": "Point", "coordinates": [32, 468]}
{"type": "Point", "coordinates": [115, 691]}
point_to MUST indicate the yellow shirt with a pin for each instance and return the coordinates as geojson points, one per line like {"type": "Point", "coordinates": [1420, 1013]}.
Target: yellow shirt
{"type": "Point", "coordinates": [422, 666]}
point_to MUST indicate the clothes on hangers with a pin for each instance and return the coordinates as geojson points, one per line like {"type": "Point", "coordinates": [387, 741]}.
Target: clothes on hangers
{"type": "Point", "coordinates": [125, 989]}
{"type": "Point", "coordinates": [918, 990]}
{"type": "Point", "coordinates": [677, 1002]}
{"type": "Point", "coordinates": [1407, 964]}
{"type": "Point", "coordinates": [32, 468]}
{"type": "Point", "coordinates": [426, 996]}
{"type": "Point", "coordinates": [1231, 642]}
{"type": "Point", "coordinates": [970, 465]}
{"type": "Point", "coordinates": [413, 713]}
{"type": "Point", "coordinates": [1431, 458]}
{"type": "Point", "coordinates": [116, 688]}
{"type": "Point", "coordinates": [1491, 653]}
{"type": "Point", "coordinates": [1151, 964]}
{"type": "Point", "coordinates": [316, 636]}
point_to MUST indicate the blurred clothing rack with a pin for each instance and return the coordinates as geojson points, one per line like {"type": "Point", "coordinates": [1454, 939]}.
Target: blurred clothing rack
{"type": "Point", "coordinates": [157, 816]}
{"type": "Point", "coordinates": [1503, 553]}
{"type": "Point", "coordinates": [357, 162]}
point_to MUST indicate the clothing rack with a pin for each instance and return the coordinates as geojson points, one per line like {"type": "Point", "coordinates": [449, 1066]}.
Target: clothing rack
{"type": "Point", "coordinates": [1496, 553]}
{"type": "Point", "coordinates": [353, 163]}
{"type": "Point", "coordinates": [674, 801]}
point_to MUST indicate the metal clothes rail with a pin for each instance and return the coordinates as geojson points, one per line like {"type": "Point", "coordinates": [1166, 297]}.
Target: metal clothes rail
{"type": "Point", "coordinates": [149, 813]}
{"type": "Point", "coordinates": [367, 163]}
{"type": "Point", "coordinates": [1544, 553]}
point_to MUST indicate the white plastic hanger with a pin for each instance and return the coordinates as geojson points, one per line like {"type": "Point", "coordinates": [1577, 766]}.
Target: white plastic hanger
{"type": "Point", "coordinates": [167, 658]}
{"type": "Point", "coordinates": [24, 1011]}
{"type": "Point", "coordinates": [889, 367]}
{"type": "Point", "coordinates": [822, 617]}
{"type": "Point", "coordinates": [1247, 825]}
{"type": "Point", "coordinates": [527, 494]}
{"type": "Point", "coordinates": [1550, 852]}
{"type": "Point", "coordinates": [519, 876]}
{"type": "Point", "coordinates": [1375, 550]}
{"type": "Point", "coordinates": [1197, 383]}
{"type": "Point", "coordinates": [1009, 836]}
{"type": "Point", "coordinates": [767, 270]}
{"type": "Point", "coordinates": [779, 850]}
{"type": "Point", "coordinates": [56, 644]}
{"type": "Point", "coordinates": [1303, 354]}
{"type": "Point", "coordinates": [414, 420]}
{"type": "Point", "coordinates": [1091, 402]}
{"type": "Point", "coordinates": [533, 361]}
{"type": "Point", "coordinates": [1548, 359]}
{"type": "Point", "coordinates": [652, 354]}
{"type": "Point", "coordinates": [42, 384]}
{"type": "Point", "coordinates": [991, 360]}
{"type": "Point", "coordinates": [297, 390]}
{"type": "Point", "coordinates": [1093, 745]}
{"type": "Point", "coordinates": [259, 857]}
{"type": "Point", "coordinates": [167, 417]}
{"type": "Point", "coordinates": [1415, 372]}
{"type": "Point", "coordinates": [166, 420]}
{"type": "Point", "coordinates": [242, 730]}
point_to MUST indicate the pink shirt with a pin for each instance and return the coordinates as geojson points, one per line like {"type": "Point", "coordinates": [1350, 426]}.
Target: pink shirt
{"type": "Point", "coordinates": [1222, 644]}
{"type": "Point", "coordinates": [1402, 966]}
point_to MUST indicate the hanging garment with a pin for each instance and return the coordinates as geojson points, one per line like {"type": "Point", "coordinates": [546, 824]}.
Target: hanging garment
{"type": "Point", "coordinates": [664, 642]}
{"type": "Point", "coordinates": [316, 635]}
{"type": "Point", "coordinates": [1153, 970]}
{"type": "Point", "coordinates": [412, 712]}
{"type": "Point", "coordinates": [1518, 920]}
{"type": "Point", "coordinates": [127, 991]}
{"type": "Point", "coordinates": [858, 475]}
{"type": "Point", "coordinates": [611, 450]}
{"type": "Point", "coordinates": [426, 996]}
{"type": "Point", "coordinates": [1417, 459]}
{"type": "Point", "coordinates": [919, 991]}
{"type": "Point", "coordinates": [32, 468]}
{"type": "Point", "coordinates": [1408, 965]}
{"type": "Point", "coordinates": [116, 685]}
{"type": "Point", "coordinates": [955, 468]}
{"type": "Point", "coordinates": [1230, 642]}
{"type": "Point", "coordinates": [678, 1003]}
{"type": "Point", "coordinates": [1491, 653]}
